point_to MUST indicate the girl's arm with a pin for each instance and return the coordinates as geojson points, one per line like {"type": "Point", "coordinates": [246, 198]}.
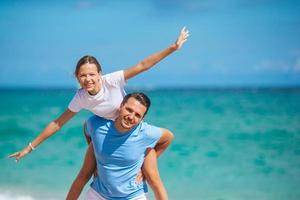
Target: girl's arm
{"type": "Point", "coordinates": [150, 61]}
{"type": "Point", "coordinates": [52, 128]}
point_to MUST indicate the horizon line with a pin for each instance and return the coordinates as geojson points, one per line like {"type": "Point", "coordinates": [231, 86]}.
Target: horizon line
{"type": "Point", "coordinates": [147, 88]}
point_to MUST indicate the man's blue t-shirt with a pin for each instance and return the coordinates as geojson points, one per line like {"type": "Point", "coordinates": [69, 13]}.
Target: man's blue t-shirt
{"type": "Point", "coordinates": [120, 157]}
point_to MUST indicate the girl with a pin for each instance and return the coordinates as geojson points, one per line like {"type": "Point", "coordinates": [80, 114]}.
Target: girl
{"type": "Point", "coordinates": [102, 95]}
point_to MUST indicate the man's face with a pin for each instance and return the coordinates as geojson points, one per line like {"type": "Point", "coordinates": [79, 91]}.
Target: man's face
{"type": "Point", "coordinates": [131, 114]}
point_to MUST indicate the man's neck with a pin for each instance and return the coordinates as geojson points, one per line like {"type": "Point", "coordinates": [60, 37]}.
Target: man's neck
{"type": "Point", "coordinates": [119, 127]}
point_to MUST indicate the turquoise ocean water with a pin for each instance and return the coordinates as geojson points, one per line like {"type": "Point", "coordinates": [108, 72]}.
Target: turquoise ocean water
{"type": "Point", "coordinates": [230, 144]}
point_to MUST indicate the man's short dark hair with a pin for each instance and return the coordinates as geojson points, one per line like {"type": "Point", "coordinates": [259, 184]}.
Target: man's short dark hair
{"type": "Point", "coordinates": [140, 97]}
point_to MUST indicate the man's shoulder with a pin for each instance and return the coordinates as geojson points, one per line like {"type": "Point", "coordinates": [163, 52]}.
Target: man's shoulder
{"type": "Point", "coordinates": [149, 129]}
{"type": "Point", "coordinates": [96, 121]}
{"type": "Point", "coordinates": [146, 125]}
{"type": "Point", "coordinates": [149, 134]}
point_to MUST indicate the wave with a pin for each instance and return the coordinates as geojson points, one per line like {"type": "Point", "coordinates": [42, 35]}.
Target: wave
{"type": "Point", "coordinates": [11, 196]}
{"type": "Point", "coordinates": [8, 196]}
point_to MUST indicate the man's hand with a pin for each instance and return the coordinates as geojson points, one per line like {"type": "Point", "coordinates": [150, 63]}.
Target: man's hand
{"type": "Point", "coordinates": [139, 177]}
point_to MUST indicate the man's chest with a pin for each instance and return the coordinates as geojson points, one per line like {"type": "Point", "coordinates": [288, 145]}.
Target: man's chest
{"type": "Point", "coordinates": [122, 151]}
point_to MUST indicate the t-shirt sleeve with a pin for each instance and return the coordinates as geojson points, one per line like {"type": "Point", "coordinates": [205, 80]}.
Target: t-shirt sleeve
{"type": "Point", "coordinates": [116, 78]}
{"type": "Point", "coordinates": [92, 124]}
{"type": "Point", "coordinates": [75, 104]}
{"type": "Point", "coordinates": [87, 128]}
{"type": "Point", "coordinates": [153, 134]}
{"type": "Point", "coordinates": [89, 124]}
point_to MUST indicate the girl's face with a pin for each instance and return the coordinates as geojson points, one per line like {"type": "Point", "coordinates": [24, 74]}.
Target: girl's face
{"type": "Point", "coordinates": [89, 78]}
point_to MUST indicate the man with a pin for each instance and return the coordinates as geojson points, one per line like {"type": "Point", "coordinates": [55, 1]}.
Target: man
{"type": "Point", "coordinates": [119, 150]}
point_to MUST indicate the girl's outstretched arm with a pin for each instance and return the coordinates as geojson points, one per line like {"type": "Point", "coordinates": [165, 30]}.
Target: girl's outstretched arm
{"type": "Point", "coordinates": [52, 128]}
{"type": "Point", "coordinates": [150, 61]}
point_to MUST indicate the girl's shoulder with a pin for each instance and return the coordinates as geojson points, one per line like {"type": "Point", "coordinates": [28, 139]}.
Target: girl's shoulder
{"type": "Point", "coordinates": [114, 78]}
{"type": "Point", "coordinates": [80, 92]}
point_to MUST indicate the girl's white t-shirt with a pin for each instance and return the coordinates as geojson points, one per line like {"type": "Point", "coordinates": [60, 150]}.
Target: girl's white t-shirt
{"type": "Point", "coordinates": [107, 101]}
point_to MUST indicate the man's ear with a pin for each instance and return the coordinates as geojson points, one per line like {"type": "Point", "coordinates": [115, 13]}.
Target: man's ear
{"type": "Point", "coordinates": [121, 105]}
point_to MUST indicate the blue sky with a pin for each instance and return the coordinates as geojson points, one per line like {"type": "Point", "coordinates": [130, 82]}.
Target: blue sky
{"type": "Point", "coordinates": [232, 42]}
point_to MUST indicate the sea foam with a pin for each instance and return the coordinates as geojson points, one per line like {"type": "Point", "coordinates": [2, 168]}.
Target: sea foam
{"type": "Point", "coordinates": [9, 196]}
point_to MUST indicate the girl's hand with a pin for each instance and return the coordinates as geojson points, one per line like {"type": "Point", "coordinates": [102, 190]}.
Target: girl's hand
{"type": "Point", "coordinates": [19, 154]}
{"type": "Point", "coordinates": [182, 38]}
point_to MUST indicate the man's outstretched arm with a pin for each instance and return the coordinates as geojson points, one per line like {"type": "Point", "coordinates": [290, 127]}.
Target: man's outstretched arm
{"type": "Point", "coordinates": [84, 175]}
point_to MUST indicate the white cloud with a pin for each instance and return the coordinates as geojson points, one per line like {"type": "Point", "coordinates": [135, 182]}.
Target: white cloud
{"type": "Point", "coordinates": [295, 52]}
{"type": "Point", "coordinates": [296, 67]}
{"type": "Point", "coordinates": [272, 65]}
{"type": "Point", "coordinates": [290, 64]}
{"type": "Point", "coordinates": [83, 4]}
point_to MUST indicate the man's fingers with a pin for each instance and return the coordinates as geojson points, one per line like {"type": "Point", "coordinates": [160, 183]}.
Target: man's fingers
{"type": "Point", "coordinates": [139, 177]}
